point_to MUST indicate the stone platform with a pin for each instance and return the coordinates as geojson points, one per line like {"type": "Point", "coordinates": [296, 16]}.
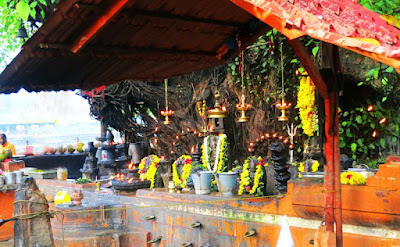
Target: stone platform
{"type": "Point", "coordinates": [371, 216]}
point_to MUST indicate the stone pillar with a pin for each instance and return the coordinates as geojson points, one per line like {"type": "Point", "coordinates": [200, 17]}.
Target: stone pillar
{"type": "Point", "coordinates": [34, 229]}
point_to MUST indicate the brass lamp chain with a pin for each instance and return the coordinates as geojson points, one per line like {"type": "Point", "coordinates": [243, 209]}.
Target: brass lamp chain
{"type": "Point", "coordinates": [283, 85]}
{"type": "Point", "coordinates": [242, 70]}
{"type": "Point", "coordinates": [166, 93]}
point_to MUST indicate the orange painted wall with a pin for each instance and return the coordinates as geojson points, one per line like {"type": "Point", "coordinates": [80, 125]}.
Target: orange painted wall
{"type": "Point", "coordinates": [6, 212]}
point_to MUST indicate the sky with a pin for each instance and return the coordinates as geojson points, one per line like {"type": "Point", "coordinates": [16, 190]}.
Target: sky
{"type": "Point", "coordinates": [60, 107]}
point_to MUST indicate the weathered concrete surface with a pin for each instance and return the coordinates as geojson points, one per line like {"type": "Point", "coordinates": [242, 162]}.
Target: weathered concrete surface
{"type": "Point", "coordinates": [32, 230]}
{"type": "Point", "coordinates": [370, 213]}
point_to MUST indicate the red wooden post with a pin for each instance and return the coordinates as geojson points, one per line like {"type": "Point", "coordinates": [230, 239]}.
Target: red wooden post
{"type": "Point", "coordinates": [337, 68]}
{"type": "Point", "coordinates": [329, 93]}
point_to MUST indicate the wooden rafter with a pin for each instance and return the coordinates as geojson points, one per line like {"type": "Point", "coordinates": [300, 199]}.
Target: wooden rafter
{"type": "Point", "coordinates": [163, 15]}
{"type": "Point", "coordinates": [97, 25]}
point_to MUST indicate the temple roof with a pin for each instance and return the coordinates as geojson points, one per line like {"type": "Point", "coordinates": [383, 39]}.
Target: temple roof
{"type": "Point", "coordinates": [90, 43]}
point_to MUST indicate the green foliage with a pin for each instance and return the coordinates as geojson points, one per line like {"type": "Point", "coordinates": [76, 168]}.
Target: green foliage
{"type": "Point", "coordinates": [23, 10]}
{"type": "Point", "coordinates": [263, 70]}
{"type": "Point", "coordinates": [12, 13]}
{"type": "Point", "coordinates": [358, 124]}
{"type": "Point", "coordinates": [9, 24]}
{"type": "Point", "coordinates": [385, 7]}
{"type": "Point", "coordinates": [374, 163]}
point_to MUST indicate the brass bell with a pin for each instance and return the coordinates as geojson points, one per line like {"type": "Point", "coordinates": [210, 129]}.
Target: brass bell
{"type": "Point", "coordinates": [22, 34]}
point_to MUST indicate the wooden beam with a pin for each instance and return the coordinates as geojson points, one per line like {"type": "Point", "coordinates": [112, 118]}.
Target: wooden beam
{"type": "Point", "coordinates": [104, 18]}
{"type": "Point", "coordinates": [308, 63]}
{"type": "Point", "coordinates": [165, 15]}
{"type": "Point", "coordinates": [122, 51]}
{"type": "Point", "coordinates": [129, 53]}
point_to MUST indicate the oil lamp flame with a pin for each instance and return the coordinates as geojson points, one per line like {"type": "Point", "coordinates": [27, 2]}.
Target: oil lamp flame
{"type": "Point", "coordinates": [283, 106]}
{"type": "Point", "coordinates": [163, 157]}
{"type": "Point", "coordinates": [167, 113]}
{"type": "Point", "coordinates": [383, 120]}
{"type": "Point", "coordinates": [119, 176]}
{"type": "Point", "coordinates": [375, 133]}
{"type": "Point", "coordinates": [370, 108]}
{"type": "Point", "coordinates": [192, 150]}
{"type": "Point", "coordinates": [130, 180]}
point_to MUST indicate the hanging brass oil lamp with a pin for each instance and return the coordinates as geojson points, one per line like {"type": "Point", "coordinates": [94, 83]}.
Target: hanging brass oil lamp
{"type": "Point", "coordinates": [283, 106]}
{"type": "Point", "coordinates": [168, 112]}
{"type": "Point", "coordinates": [242, 106]}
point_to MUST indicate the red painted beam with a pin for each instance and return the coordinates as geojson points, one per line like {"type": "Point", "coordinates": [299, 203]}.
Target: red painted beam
{"type": "Point", "coordinates": [308, 63]}
{"type": "Point", "coordinates": [116, 6]}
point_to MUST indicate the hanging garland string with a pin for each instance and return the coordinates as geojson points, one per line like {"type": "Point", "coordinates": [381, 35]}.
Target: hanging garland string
{"type": "Point", "coordinates": [220, 154]}
{"type": "Point", "coordinates": [306, 104]}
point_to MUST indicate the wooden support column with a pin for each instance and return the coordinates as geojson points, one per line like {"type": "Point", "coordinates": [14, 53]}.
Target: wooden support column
{"type": "Point", "coordinates": [329, 93]}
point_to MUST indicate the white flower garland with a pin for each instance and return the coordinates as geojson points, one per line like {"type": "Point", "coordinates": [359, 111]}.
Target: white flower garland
{"type": "Point", "coordinates": [215, 168]}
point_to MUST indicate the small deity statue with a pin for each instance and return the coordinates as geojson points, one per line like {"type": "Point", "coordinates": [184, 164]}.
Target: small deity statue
{"type": "Point", "coordinates": [313, 151]}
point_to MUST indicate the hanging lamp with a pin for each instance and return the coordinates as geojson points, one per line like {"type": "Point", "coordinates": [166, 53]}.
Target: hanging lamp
{"type": "Point", "coordinates": [242, 106]}
{"type": "Point", "coordinates": [168, 112]}
{"type": "Point", "coordinates": [283, 105]}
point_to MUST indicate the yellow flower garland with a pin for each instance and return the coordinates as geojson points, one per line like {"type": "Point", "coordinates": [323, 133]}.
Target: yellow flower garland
{"type": "Point", "coordinates": [186, 169]}
{"type": "Point", "coordinates": [151, 172]}
{"type": "Point", "coordinates": [201, 109]}
{"type": "Point", "coordinates": [245, 176]}
{"type": "Point", "coordinates": [306, 104]}
{"type": "Point", "coordinates": [221, 156]}
{"type": "Point", "coordinates": [204, 149]}
{"type": "Point", "coordinates": [314, 166]}
{"type": "Point", "coordinates": [352, 178]}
